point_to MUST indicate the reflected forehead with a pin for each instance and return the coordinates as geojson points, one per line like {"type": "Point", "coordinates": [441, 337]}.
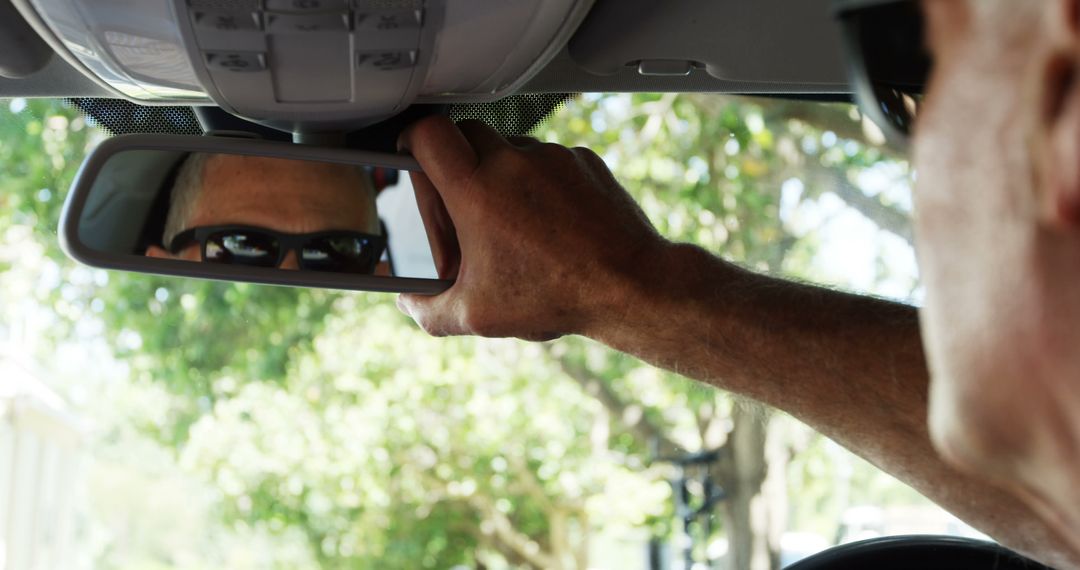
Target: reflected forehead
{"type": "Point", "coordinates": [286, 195]}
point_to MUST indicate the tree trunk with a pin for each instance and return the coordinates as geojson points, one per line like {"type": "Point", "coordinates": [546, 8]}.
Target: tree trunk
{"type": "Point", "coordinates": [775, 487]}
{"type": "Point", "coordinates": [746, 517]}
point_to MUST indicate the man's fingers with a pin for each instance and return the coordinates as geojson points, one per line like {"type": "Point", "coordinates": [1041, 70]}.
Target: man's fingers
{"type": "Point", "coordinates": [434, 314]}
{"type": "Point", "coordinates": [441, 232]}
{"type": "Point", "coordinates": [523, 141]}
{"type": "Point", "coordinates": [484, 139]}
{"type": "Point", "coordinates": [444, 154]}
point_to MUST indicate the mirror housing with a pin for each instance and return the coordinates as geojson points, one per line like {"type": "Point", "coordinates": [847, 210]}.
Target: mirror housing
{"type": "Point", "coordinates": [100, 226]}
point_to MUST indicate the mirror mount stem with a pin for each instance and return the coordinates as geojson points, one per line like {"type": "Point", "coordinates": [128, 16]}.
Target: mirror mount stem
{"type": "Point", "coordinates": [320, 138]}
{"type": "Point", "coordinates": [216, 120]}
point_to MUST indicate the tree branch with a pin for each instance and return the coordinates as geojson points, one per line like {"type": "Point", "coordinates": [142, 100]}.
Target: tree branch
{"type": "Point", "coordinates": [581, 553]}
{"type": "Point", "coordinates": [887, 218]}
{"type": "Point", "coordinates": [507, 535]}
{"type": "Point", "coordinates": [638, 424]}
{"type": "Point", "coordinates": [821, 179]}
{"type": "Point", "coordinates": [822, 117]}
{"type": "Point", "coordinates": [507, 539]}
{"type": "Point", "coordinates": [527, 479]}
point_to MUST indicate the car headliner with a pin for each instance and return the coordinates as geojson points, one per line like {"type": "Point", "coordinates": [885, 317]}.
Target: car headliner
{"type": "Point", "coordinates": [780, 47]}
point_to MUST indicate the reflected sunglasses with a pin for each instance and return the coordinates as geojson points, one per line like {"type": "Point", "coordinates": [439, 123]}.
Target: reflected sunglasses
{"type": "Point", "coordinates": [888, 63]}
{"type": "Point", "coordinates": [337, 251]}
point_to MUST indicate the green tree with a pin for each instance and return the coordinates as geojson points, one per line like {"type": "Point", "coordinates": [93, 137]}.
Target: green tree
{"type": "Point", "coordinates": [707, 173]}
{"type": "Point", "coordinates": [333, 416]}
{"type": "Point", "coordinates": [173, 330]}
{"type": "Point", "coordinates": [711, 170]}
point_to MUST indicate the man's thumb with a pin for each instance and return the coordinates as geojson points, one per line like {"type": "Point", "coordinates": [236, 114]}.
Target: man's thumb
{"type": "Point", "coordinates": [431, 313]}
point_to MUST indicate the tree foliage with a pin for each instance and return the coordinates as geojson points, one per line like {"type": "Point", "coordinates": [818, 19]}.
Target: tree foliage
{"type": "Point", "coordinates": [333, 416]}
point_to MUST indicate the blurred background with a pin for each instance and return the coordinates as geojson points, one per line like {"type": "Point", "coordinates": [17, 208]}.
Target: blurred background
{"type": "Point", "coordinates": [150, 422]}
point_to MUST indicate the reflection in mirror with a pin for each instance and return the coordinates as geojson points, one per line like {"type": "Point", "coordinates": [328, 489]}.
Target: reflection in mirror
{"type": "Point", "coordinates": [257, 211]}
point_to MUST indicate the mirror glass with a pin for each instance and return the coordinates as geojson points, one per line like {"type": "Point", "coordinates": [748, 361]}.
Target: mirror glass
{"type": "Point", "coordinates": [257, 211]}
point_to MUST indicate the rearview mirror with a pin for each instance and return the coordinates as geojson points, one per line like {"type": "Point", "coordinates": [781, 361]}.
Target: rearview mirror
{"type": "Point", "coordinates": [250, 210]}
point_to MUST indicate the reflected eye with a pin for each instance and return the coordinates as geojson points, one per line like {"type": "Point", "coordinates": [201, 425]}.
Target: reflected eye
{"type": "Point", "coordinates": [339, 253]}
{"type": "Point", "coordinates": [344, 252]}
{"type": "Point", "coordinates": [315, 255]}
{"type": "Point", "coordinates": [242, 248]}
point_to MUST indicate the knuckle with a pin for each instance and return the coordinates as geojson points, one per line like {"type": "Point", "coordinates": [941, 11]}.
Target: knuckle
{"type": "Point", "coordinates": [584, 152]}
{"type": "Point", "coordinates": [479, 321]}
{"type": "Point", "coordinates": [556, 151]}
{"type": "Point", "coordinates": [422, 129]}
{"type": "Point", "coordinates": [542, 336]}
{"type": "Point", "coordinates": [524, 141]}
{"type": "Point", "coordinates": [509, 159]}
{"type": "Point", "coordinates": [432, 328]}
{"type": "Point", "coordinates": [508, 154]}
{"type": "Point", "coordinates": [427, 322]}
{"type": "Point", "coordinates": [470, 123]}
{"type": "Point", "coordinates": [588, 155]}
{"type": "Point", "coordinates": [590, 160]}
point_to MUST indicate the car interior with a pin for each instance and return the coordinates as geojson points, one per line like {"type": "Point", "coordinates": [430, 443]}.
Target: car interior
{"type": "Point", "coordinates": [334, 82]}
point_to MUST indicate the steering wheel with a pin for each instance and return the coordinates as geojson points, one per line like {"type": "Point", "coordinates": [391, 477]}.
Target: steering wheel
{"type": "Point", "coordinates": [922, 552]}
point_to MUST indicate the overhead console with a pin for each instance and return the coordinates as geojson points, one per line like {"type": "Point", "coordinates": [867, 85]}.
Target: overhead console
{"type": "Point", "coordinates": [311, 65]}
{"type": "Point", "coordinates": [308, 63]}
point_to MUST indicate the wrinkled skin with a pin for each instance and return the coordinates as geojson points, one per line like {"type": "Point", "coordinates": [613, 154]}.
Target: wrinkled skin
{"type": "Point", "coordinates": [998, 208]}
{"type": "Point", "coordinates": [544, 242]}
{"type": "Point", "coordinates": [529, 262]}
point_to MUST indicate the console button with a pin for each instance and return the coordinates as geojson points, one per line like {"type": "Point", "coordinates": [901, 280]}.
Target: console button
{"type": "Point", "coordinates": [388, 29]}
{"type": "Point", "coordinates": [303, 23]}
{"type": "Point", "coordinates": [226, 21]}
{"type": "Point", "coordinates": [233, 5]}
{"type": "Point", "coordinates": [385, 60]}
{"type": "Point", "coordinates": [236, 60]}
{"type": "Point", "coordinates": [389, 20]}
{"type": "Point", "coordinates": [305, 5]}
{"type": "Point", "coordinates": [310, 68]}
{"type": "Point", "coordinates": [382, 5]}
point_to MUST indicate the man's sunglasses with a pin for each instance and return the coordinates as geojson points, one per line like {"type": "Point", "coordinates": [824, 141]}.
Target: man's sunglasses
{"type": "Point", "coordinates": [888, 63]}
{"type": "Point", "coordinates": [335, 251]}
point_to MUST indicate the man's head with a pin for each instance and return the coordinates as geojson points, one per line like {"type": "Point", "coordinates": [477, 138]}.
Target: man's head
{"type": "Point", "coordinates": [997, 155]}
{"type": "Point", "coordinates": [287, 196]}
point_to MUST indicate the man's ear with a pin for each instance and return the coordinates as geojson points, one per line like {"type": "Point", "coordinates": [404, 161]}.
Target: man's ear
{"type": "Point", "coordinates": [1071, 15]}
{"type": "Point", "coordinates": [159, 252]}
{"type": "Point", "coordinates": [1059, 179]}
{"type": "Point", "coordinates": [1059, 192]}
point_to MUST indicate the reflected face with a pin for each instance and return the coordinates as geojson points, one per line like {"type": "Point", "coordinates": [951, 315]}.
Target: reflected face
{"type": "Point", "coordinates": [289, 196]}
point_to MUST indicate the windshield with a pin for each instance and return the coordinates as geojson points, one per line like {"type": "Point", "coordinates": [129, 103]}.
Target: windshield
{"type": "Point", "coordinates": [154, 422]}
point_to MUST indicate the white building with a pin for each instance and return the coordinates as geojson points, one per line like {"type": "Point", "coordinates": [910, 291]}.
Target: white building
{"type": "Point", "coordinates": [39, 454]}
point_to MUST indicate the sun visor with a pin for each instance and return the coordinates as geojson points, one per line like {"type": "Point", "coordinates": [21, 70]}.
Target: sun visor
{"type": "Point", "coordinates": [760, 41]}
{"type": "Point", "coordinates": [113, 217]}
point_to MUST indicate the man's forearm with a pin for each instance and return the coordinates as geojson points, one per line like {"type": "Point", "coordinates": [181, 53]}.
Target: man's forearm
{"type": "Point", "coordinates": [850, 366]}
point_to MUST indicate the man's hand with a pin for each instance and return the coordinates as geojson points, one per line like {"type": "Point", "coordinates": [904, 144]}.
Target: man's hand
{"type": "Point", "coordinates": [544, 242]}
{"type": "Point", "coordinates": [540, 238]}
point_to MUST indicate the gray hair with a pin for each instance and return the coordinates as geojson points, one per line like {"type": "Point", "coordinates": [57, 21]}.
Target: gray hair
{"type": "Point", "coordinates": [189, 185]}
{"type": "Point", "coordinates": [185, 193]}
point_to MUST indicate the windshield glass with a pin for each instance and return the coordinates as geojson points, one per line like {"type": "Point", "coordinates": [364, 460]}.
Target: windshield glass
{"type": "Point", "coordinates": [154, 422]}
